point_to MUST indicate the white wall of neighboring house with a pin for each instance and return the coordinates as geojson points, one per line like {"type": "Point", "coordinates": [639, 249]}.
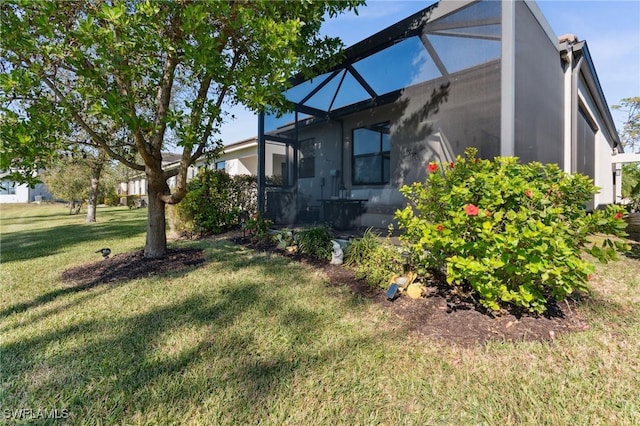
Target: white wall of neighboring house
{"type": "Point", "coordinates": [239, 158]}
{"type": "Point", "coordinates": [12, 192]}
{"type": "Point", "coordinates": [136, 186]}
{"type": "Point", "coordinates": [242, 166]}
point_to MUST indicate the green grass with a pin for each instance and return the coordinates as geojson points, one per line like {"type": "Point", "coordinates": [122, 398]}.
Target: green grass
{"type": "Point", "coordinates": [253, 338]}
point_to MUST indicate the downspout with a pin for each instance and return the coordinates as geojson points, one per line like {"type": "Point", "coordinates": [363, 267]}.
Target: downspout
{"type": "Point", "coordinates": [574, 115]}
{"type": "Point", "coordinates": [568, 107]}
{"type": "Point", "coordinates": [261, 164]}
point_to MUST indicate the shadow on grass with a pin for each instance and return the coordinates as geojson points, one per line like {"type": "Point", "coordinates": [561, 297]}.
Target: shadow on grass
{"type": "Point", "coordinates": [48, 312]}
{"type": "Point", "coordinates": [114, 271]}
{"type": "Point", "coordinates": [240, 346]}
{"type": "Point", "coordinates": [31, 244]}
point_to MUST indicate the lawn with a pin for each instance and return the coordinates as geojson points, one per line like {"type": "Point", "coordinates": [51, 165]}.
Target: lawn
{"type": "Point", "coordinates": [255, 338]}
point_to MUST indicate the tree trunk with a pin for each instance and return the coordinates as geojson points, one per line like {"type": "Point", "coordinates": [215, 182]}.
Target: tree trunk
{"type": "Point", "coordinates": [75, 206]}
{"type": "Point", "coordinates": [96, 170]}
{"type": "Point", "coordinates": [93, 197]}
{"type": "Point", "coordinates": [156, 245]}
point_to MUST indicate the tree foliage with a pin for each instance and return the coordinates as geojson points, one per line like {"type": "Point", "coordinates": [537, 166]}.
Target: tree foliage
{"type": "Point", "coordinates": [631, 180]}
{"type": "Point", "coordinates": [150, 71]}
{"type": "Point", "coordinates": [630, 138]}
{"type": "Point", "coordinates": [68, 178]}
{"type": "Point", "coordinates": [630, 132]}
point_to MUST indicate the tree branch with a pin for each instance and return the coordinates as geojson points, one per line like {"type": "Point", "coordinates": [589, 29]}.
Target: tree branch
{"type": "Point", "coordinates": [124, 88]}
{"type": "Point", "coordinates": [99, 140]}
{"type": "Point", "coordinates": [220, 100]}
{"type": "Point", "coordinates": [163, 95]}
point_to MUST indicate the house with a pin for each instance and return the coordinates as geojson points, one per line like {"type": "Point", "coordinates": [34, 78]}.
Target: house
{"type": "Point", "coordinates": [14, 192]}
{"type": "Point", "coordinates": [486, 74]}
{"type": "Point", "coordinates": [238, 158]}
{"type": "Point", "coordinates": [137, 183]}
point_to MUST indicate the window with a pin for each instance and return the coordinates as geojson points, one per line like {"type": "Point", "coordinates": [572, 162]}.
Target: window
{"type": "Point", "coordinates": [307, 158]}
{"type": "Point", "coordinates": [221, 165]}
{"type": "Point", "coordinates": [7, 187]}
{"type": "Point", "coordinates": [371, 154]}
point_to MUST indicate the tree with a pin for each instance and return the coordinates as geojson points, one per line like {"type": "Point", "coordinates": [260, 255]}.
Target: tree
{"type": "Point", "coordinates": [630, 133]}
{"type": "Point", "coordinates": [28, 146]}
{"type": "Point", "coordinates": [630, 138]}
{"type": "Point", "coordinates": [74, 177]}
{"type": "Point", "coordinates": [96, 163]}
{"type": "Point", "coordinates": [631, 180]}
{"type": "Point", "coordinates": [67, 180]}
{"type": "Point", "coordinates": [155, 70]}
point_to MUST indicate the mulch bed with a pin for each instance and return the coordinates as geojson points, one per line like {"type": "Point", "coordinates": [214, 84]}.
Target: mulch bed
{"type": "Point", "coordinates": [440, 315]}
{"type": "Point", "coordinates": [123, 267]}
{"type": "Point", "coordinates": [446, 316]}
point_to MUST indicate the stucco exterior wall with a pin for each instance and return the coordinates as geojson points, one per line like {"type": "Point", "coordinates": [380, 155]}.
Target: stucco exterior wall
{"type": "Point", "coordinates": [603, 170]}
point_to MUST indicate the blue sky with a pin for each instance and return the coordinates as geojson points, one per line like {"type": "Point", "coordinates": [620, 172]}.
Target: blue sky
{"type": "Point", "coordinates": [610, 27]}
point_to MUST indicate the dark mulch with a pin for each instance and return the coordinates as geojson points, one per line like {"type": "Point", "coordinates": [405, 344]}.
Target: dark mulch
{"type": "Point", "coordinates": [450, 317]}
{"type": "Point", "coordinates": [439, 315]}
{"type": "Point", "coordinates": [442, 315]}
{"type": "Point", "coordinates": [130, 266]}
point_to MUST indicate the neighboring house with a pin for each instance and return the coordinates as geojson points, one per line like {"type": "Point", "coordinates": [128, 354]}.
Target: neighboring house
{"type": "Point", "coordinates": [486, 74]}
{"type": "Point", "coordinates": [137, 185]}
{"type": "Point", "coordinates": [14, 192]}
{"type": "Point", "coordinates": [238, 158]}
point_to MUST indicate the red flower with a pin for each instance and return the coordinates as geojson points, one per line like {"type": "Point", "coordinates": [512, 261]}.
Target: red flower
{"type": "Point", "coordinates": [440, 228]}
{"type": "Point", "coordinates": [471, 210]}
{"type": "Point", "coordinates": [432, 167]}
{"type": "Point", "coordinates": [618, 216]}
{"type": "Point", "coordinates": [451, 165]}
{"type": "Point", "coordinates": [528, 193]}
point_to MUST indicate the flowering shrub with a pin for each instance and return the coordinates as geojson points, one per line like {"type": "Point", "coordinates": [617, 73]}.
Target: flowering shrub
{"type": "Point", "coordinates": [514, 232]}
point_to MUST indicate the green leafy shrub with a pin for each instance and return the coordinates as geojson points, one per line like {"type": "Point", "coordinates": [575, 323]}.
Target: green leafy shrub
{"type": "Point", "coordinates": [135, 201]}
{"type": "Point", "coordinates": [374, 259]}
{"type": "Point", "coordinates": [112, 199]}
{"type": "Point", "coordinates": [360, 249]}
{"type": "Point", "coordinates": [315, 242]}
{"type": "Point", "coordinates": [216, 202]}
{"type": "Point", "coordinates": [514, 232]}
{"type": "Point", "coordinates": [284, 239]}
{"type": "Point", "coordinates": [381, 263]}
{"type": "Point", "coordinates": [259, 229]}
{"type": "Point", "coordinates": [631, 186]}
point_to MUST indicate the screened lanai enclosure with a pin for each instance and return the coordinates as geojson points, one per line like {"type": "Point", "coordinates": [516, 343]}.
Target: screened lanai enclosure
{"type": "Point", "coordinates": [486, 74]}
